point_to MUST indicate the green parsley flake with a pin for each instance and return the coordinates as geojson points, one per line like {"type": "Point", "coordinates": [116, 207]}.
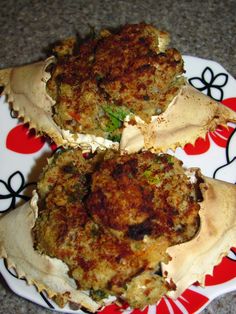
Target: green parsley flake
{"type": "Point", "coordinates": [153, 179]}
{"type": "Point", "coordinates": [116, 116]}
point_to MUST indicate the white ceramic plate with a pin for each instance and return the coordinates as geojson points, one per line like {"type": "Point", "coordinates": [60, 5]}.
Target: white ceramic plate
{"type": "Point", "coordinates": [22, 157]}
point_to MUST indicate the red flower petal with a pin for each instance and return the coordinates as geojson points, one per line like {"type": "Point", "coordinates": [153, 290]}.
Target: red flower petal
{"type": "Point", "coordinates": [175, 308]}
{"type": "Point", "coordinates": [221, 135]}
{"type": "Point", "coordinates": [145, 311]}
{"type": "Point", "coordinates": [162, 308]}
{"type": "Point", "coordinates": [192, 300]}
{"type": "Point", "coordinates": [223, 272]}
{"type": "Point", "coordinates": [113, 308]}
{"type": "Point", "coordinates": [200, 146]}
{"type": "Point", "coordinates": [22, 140]}
{"type": "Point", "coordinates": [230, 102]}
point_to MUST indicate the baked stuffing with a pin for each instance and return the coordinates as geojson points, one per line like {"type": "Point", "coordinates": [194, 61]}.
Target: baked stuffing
{"type": "Point", "coordinates": [150, 241]}
{"type": "Point", "coordinates": [97, 83]}
{"type": "Point", "coordinates": [110, 218]}
{"type": "Point", "coordinates": [124, 87]}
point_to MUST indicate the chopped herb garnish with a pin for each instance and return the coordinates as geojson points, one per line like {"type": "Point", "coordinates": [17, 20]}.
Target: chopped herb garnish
{"type": "Point", "coordinates": [153, 179]}
{"type": "Point", "coordinates": [116, 115]}
{"type": "Point", "coordinates": [114, 138]}
{"type": "Point", "coordinates": [164, 158]}
{"type": "Point", "coordinates": [170, 159]}
{"type": "Point", "coordinates": [98, 295]}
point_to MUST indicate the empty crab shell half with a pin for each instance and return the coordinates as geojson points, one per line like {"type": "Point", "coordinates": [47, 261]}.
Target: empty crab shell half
{"type": "Point", "coordinates": [189, 261]}
{"type": "Point", "coordinates": [146, 98]}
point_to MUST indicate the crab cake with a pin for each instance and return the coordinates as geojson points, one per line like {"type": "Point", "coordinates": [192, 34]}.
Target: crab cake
{"type": "Point", "coordinates": [133, 227]}
{"type": "Point", "coordinates": [125, 86]}
{"type": "Point", "coordinates": [98, 83]}
{"type": "Point", "coordinates": [110, 218]}
{"type": "Point", "coordinates": [144, 194]}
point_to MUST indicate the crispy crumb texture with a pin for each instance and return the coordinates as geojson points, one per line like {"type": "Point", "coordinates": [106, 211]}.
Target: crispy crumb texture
{"type": "Point", "coordinates": [131, 226]}
{"type": "Point", "coordinates": [91, 92]}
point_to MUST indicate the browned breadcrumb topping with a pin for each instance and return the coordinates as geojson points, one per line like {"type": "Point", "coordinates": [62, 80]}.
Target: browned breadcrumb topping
{"type": "Point", "coordinates": [110, 218]}
{"type": "Point", "coordinates": [99, 82]}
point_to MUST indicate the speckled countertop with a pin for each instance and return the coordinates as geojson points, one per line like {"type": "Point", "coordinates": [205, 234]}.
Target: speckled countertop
{"type": "Point", "coordinates": [199, 28]}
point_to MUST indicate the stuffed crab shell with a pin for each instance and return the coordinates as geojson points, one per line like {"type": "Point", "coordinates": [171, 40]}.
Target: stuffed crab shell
{"type": "Point", "coordinates": [132, 227]}
{"type": "Point", "coordinates": [126, 85]}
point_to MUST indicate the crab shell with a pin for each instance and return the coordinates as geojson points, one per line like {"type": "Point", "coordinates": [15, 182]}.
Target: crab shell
{"type": "Point", "coordinates": [46, 273]}
{"type": "Point", "coordinates": [25, 88]}
{"type": "Point", "coordinates": [192, 260]}
{"type": "Point", "coordinates": [189, 115]}
{"type": "Point", "coordinates": [189, 262]}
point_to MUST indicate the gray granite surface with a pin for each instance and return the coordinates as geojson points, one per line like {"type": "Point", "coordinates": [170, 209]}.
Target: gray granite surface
{"type": "Point", "coordinates": [200, 28]}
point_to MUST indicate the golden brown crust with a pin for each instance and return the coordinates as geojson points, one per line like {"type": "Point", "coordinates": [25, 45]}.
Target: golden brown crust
{"type": "Point", "coordinates": [111, 218]}
{"type": "Point", "coordinates": [95, 93]}
{"type": "Point", "coordinates": [133, 193]}
{"type": "Point", "coordinates": [190, 260]}
{"type": "Point", "coordinates": [116, 52]}
{"type": "Point", "coordinates": [149, 85]}
{"type": "Point", "coordinates": [123, 71]}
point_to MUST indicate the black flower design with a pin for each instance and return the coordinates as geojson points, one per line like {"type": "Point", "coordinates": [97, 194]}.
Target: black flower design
{"type": "Point", "coordinates": [227, 170]}
{"type": "Point", "coordinates": [211, 83]}
{"type": "Point", "coordinates": [14, 193]}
